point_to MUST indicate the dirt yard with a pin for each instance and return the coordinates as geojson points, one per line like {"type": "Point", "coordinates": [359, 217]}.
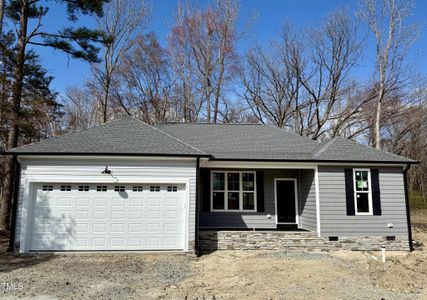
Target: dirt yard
{"type": "Point", "coordinates": [220, 275]}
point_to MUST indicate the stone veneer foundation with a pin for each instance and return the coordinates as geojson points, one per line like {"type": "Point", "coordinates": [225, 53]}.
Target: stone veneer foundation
{"type": "Point", "coordinates": [294, 240]}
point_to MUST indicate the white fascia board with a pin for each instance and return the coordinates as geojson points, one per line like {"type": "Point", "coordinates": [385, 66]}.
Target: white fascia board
{"type": "Point", "coordinates": [255, 165]}
{"type": "Point", "coordinates": [103, 158]}
{"type": "Point", "coordinates": [205, 163]}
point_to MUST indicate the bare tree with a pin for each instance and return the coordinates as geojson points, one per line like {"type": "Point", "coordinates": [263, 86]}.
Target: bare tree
{"type": "Point", "coordinates": [122, 22]}
{"type": "Point", "coordinates": [145, 85]}
{"type": "Point", "coordinates": [304, 83]}
{"type": "Point", "coordinates": [202, 46]}
{"type": "Point", "coordinates": [270, 81]}
{"type": "Point", "coordinates": [386, 19]}
{"type": "Point", "coordinates": [80, 109]}
{"type": "Point", "coordinates": [335, 48]}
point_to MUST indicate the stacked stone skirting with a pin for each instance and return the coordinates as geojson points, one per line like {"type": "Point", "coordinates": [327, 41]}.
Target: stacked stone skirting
{"type": "Point", "coordinates": [294, 240]}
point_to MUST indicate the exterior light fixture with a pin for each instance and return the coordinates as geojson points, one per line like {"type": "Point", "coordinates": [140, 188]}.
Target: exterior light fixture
{"type": "Point", "coordinates": [106, 171]}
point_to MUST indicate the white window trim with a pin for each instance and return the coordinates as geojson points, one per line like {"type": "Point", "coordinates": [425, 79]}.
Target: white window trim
{"type": "Point", "coordinates": [369, 192]}
{"type": "Point", "coordinates": [240, 210]}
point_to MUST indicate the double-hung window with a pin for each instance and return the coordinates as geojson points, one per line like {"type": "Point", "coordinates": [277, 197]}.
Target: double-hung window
{"type": "Point", "coordinates": [233, 191]}
{"type": "Point", "coordinates": [362, 191]}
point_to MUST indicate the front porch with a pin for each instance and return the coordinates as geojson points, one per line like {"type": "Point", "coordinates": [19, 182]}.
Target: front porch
{"type": "Point", "coordinates": [259, 199]}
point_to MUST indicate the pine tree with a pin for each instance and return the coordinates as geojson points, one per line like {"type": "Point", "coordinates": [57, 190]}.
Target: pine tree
{"type": "Point", "coordinates": [79, 42]}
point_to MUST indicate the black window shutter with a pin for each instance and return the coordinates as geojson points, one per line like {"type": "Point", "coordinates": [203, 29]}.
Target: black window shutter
{"type": "Point", "coordinates": [205, 175]}
{"type": "Point", "coordinates": [349, 192]}
{"type": "Point", "coordinates": [260, 191]}
{"type": "Point", "coordinates": [376, 196]}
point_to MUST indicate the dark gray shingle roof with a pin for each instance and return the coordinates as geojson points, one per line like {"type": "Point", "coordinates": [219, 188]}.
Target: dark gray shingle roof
{"type": "Point", "coordinates": [222, 141]}
{"type": "Point", "coordinates": [243, 141]}
{"type": "Point", "coordinates": [341, 149]}
{"type": "Point", "coordinates": [125, 136]}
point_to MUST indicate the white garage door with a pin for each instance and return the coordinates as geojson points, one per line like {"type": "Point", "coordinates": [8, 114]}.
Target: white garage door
{"type": "Point", "coordinates": [108, 217]}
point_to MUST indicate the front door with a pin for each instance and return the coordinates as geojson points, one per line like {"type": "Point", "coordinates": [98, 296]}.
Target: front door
{"type": "Point", "coordinates": [286, 201]}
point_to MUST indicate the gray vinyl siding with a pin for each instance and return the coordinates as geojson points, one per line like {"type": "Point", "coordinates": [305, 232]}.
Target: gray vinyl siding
{"type": "Point", "coordinates": [333, 215]}
{"type": "Point", "coordinates": [266, 219]}
{"type": "Point", "coordinates": [307, 203]}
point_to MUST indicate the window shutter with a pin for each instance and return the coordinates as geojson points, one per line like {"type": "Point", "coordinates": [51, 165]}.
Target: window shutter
{"type": "Point", "coordinates": [376, 197]}
{"type": "Point", "coordinates": [349, 191]}
{"type": "Point", "coordinates": [260, 191]}
{"type": "Point", "coordinates": [205, 175]}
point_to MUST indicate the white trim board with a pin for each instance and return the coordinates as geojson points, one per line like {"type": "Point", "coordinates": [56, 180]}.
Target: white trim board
{"type": "Point", "coordinates": [255, 165]}
{"type": "Point", "coordinates": [286, 165]}
{"type": "Point", "coordinates": [316, 185]}
{"type": "Point", "coordinates": [295, 180]}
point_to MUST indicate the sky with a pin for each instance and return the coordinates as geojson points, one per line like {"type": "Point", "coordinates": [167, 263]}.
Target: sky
{"type": "Point", "coordinates": [270, 16]}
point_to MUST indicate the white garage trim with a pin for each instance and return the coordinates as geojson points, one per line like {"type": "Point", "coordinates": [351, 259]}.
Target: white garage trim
{"type": "Point", "coordinates": [124, 172]}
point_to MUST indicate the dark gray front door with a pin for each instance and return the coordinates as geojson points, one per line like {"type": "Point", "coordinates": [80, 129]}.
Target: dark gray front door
{"type": "Point", "coordinates": [285, 193]}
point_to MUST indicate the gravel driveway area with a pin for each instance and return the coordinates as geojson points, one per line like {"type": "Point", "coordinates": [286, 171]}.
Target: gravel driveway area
{"type": "Point", "coordinates": [219, 275]}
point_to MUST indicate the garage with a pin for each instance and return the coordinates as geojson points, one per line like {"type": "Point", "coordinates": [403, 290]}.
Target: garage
{"type": "Point", "coordinates": [97, 216]}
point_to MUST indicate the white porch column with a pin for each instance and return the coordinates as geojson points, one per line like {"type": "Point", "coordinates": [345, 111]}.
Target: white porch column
{"type": "Point", "coordinates": [316, 179]}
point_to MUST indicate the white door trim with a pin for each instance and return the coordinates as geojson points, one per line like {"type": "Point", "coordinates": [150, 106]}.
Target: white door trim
{"type": "Point", "coordinates": [296, 199]}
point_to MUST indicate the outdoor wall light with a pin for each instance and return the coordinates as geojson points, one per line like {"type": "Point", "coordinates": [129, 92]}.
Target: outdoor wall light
{"type": "Point", "coordinates": [106, 171]}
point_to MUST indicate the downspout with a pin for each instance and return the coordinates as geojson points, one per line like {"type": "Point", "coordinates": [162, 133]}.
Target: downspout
{"type": "Point", "coordinates": [408, 214]}
{"type": "Point", "coordinates": [16, 187]}
{"type": "Point", "coordinates": [196, 240]}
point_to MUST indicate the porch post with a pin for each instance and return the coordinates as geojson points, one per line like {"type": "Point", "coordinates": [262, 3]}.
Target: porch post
{"type": "Point", "coordinates": [316, 182]}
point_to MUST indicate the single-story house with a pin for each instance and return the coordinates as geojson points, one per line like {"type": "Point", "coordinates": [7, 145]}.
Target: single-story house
{"type": "Point", "coordinates": [126, 185]}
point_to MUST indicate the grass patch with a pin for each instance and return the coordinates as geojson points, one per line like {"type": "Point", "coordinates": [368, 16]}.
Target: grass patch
{"type": "Point", "coordinates": [417, 201]}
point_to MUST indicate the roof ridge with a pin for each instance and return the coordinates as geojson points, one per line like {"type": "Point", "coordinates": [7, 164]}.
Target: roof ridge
{"type": "Point", "coordinates": [325, 146]}
{"type": "Point", "coordinates": [206, 123]}
{"type": "Point", "coordinates": [171, 136]}
{"type": "Point", "coordinates": [291, 133]}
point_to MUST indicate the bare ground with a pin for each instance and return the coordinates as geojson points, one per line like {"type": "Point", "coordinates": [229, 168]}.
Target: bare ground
{"type": "Point", "coordinates": [221, 274]}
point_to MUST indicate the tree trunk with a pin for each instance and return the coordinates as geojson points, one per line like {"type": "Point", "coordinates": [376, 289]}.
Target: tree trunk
{"type": "Point", "coordinates": [107, 91]}
{"type": "Point", "coordinates": [377, 125]}
{"type": "Point", "coordinates": [6, 201]}
{"type": "Point", "coordinates": [377, 138]}
{"type": "Point", "coordinates": [1, 15]}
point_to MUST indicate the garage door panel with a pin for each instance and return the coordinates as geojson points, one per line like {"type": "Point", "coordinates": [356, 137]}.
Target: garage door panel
{"type": "Point", "coordinates": [118, 215]}
{"type": "Point", "coordinates": [100, 202]}
{"type": "Point", "coordinates": [64, 202]}
{"type": "Point", "coordinates": [136, 215]}
{"type": "Point", "coordinates": [99, 215]}
{"type": "Point", "coordinates": [108, 217]}
{"type": "Point", "coordinates": [135, 228]}
{"type": "Point", "coordinates": [82, 202]}
{"type": "Point", "coordinates": [136, 202]}
{"type": "Point", "coordinates": [154, 214]}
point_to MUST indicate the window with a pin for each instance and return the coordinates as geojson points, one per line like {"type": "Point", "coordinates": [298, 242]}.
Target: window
{"type": "Point", "coordinates": [101, 188]}
{"type": "Point", "coordinates": [65, 188]}
{"type": "Point", "coordinates": [362, 192]}
{"type": "Point", "coordinates": [119, 188]}
{"type": "Point", "coordinates": [233, 191]}
{"type": "Point", "coordinates": [137, 188]}
{"type": "Point", "coordinates": [172, 188]}
{"type": "Point", "coordinates": [154, 188]}
{"type": "Point", "coordinates": [47, 188]}
{"type": "Point", "coordinates": [83, 188]}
